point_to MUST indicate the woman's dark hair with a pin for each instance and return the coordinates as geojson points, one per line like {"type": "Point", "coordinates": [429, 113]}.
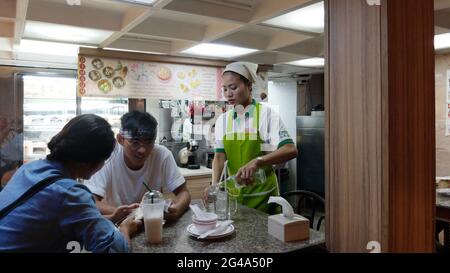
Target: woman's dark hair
{"type": "Point", "coordinates": [138, 124]}
{"type": "Point", "coordinates": [246, 81]}
{"type": "Point", "coordinates": [85, 139]}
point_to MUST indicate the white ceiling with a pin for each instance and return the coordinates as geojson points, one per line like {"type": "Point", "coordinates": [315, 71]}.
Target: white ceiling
{"type": "Point", "coordinates": [168, 27]}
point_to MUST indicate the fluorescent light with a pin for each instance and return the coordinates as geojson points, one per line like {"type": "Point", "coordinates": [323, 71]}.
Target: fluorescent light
{"type": "Point", "coordinates": [62, 33]}
{"type": "Point", "coordinates": [140, 2]}
{"type": "Point", "coordinates": [310, 18]}
{"type": "Point", "coordinates": [133, 51]}
{"type": "Point", "coordinates": [5, 44]}
{"type": "Point", "coordinates": [48, 48]}
{"type": "Point", "coordinates": [313, 62]}
{"type": "Point", "coordinates": [217, 50]}
{"type": "Point", "coordinates": [442, 41]}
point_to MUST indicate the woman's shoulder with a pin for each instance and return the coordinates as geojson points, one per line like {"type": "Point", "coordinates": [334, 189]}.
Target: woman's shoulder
{"type": "Point", "coordinates": [265, 107]}
{"type": "Point", "coordinates": [38, 170]}
{"type": "Point", "coordinates": [72, 190]}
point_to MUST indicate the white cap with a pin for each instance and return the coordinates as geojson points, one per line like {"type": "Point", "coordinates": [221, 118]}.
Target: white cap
{"type": "Point", "coordinates": [245, 69]}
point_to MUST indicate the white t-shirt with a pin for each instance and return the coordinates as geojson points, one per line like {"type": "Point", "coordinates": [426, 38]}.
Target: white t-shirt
{"type": "Point", "coordinates": [119, 185]}
{"type": "Point", "coordinates": [271, 129]}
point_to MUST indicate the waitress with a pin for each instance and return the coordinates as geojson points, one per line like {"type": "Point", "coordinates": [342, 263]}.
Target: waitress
{"type": "Point", "coordinates": [250, 136]}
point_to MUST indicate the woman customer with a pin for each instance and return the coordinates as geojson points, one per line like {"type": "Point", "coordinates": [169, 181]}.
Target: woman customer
{"type": "Point", "coordinates": [44, 209]}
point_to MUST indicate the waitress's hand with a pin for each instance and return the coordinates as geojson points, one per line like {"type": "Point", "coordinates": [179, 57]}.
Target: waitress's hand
{"type": "Point", "coordinates": [205, 196]}
{"type": "Point", "coordinates": [245, 174]}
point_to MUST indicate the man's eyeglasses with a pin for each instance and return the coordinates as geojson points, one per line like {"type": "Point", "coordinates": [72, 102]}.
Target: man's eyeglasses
{"type": "Point", "coordinates": [137, 143]}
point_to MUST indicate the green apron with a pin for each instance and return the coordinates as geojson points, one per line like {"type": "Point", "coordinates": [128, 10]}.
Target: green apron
{"type": "Point", "coordinates": [241, 148]}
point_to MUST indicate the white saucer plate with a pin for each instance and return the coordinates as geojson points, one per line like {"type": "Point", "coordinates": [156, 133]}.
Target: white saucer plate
{"type": "Point", "coordinates": [192, 230]}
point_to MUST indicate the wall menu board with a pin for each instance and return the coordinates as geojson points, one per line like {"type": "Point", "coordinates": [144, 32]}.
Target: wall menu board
{"type": "Point", "coordinates": [107, 77]}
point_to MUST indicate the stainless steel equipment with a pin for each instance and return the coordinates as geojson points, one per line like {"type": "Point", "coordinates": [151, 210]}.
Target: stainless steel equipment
{"type": "Point", "coordinates": [188, 157]}
{"type": "Point", "coordinates": [311, 147]}
{"type": "Point", "coordinates": [165, 124]}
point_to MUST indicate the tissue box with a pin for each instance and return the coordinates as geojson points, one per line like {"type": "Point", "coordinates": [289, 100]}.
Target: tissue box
{"type": "Point", "coordinates": [288, 230]}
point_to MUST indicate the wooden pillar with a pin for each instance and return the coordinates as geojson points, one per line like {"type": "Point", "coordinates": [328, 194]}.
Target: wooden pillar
{"type": "Point", "coordinates": [380, 135]}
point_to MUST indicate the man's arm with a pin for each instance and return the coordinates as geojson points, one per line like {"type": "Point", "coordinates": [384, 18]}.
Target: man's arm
{"type": "Point", "coordinates": [180, 203]}
{"type": "Point", "coordinates": [112, 213]}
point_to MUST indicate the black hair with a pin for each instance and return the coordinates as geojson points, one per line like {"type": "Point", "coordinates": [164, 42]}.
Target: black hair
{"type": "Point", "coordinates": [246, 81]}
{"type": "Point", "coordinates": [84, 139]}
{"type": "Point", "coordinates": [139, 125]}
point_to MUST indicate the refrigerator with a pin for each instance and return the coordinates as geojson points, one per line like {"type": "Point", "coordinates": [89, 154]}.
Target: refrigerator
{"type": "Point", "coordinates": [311, 147]}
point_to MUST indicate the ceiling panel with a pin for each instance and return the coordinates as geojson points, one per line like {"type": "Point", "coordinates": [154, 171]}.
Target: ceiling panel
{"type": "Point", "coordinates": [63, 33]}
{"type": "Point", "coordinates": [171, 26]}
{"type": "Point", "coordinates": [245, 39]}
{"type": "Point", "coordinates": [58, 12]}
{"type": "Point", "coordinates": [142, 45]}
{"type": "Point", "coordinates": [212, 9]}
{"type": "Point", "coordinates": [105, 5]}
{"type": "Point", "coordinates": [311, 47]}
{"type": "Point", "coordinates": [271, 57]}
{"type": "Point", "coordinates": [8, 8]}
{"type": "Point", "coordinates": [162, 27]}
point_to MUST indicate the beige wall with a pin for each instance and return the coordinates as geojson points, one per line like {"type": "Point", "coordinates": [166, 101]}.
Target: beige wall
{"type": "Point", "coordinates": [442, 142]}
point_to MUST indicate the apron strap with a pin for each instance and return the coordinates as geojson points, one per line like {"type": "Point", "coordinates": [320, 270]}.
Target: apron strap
{"type": "Point", "coordinates": [230, 122]}
{"type": "Point", "coordinates": [257, 194]}
{"type": "Point", "coordinates": [231, 114]}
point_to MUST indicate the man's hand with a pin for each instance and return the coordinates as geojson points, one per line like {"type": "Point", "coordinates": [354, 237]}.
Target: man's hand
{"type": "Point", "coordinates": [180, 203]}
{"type": "Point", "coordinates": [122, 212]}
{"type": "Point", "coordinates": [245, 173]}
{"type": "Point", "coordinates": [173, 213]}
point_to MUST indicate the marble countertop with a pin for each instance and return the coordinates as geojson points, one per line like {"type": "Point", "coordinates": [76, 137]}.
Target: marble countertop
{"type": "Point", "coordinates": [250, 236]}
{"type": "Point", "coordinates": [203, 171]}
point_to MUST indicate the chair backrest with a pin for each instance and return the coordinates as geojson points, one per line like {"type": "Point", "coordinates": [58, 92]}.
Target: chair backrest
{"type": "Point", "coordinates": [307, 204]}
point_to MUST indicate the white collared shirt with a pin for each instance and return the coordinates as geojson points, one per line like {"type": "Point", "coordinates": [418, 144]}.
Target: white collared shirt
{"type": "Point", "coordinates": [119, 185]}
{"type": "Point", "coordinates": [271, 128]}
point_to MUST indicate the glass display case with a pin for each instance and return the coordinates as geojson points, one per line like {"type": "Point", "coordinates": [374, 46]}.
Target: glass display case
{"type": "Point", "coordinates": [49, 103]}
{"type": "Point", "coordinates": [110, 109]}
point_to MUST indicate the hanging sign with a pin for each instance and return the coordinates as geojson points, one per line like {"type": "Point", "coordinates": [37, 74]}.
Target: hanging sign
{"type": "Point", "coordinates": [105, 77]}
